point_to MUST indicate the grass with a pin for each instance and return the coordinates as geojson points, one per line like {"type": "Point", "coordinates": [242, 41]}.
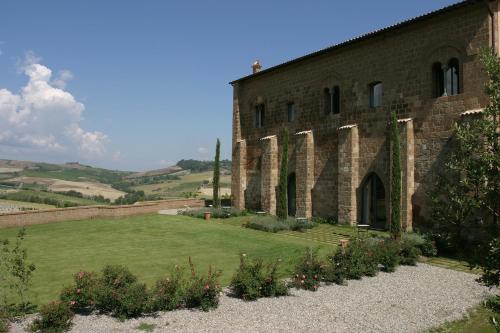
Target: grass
{"type": "Point", "coordinates": [175, 188]}
{"type": "Point", "coordinates": [21, 195]}
{"type": "Point", "coordinates": [146, 327]}
{"type": "Point", "coordinates": [25, 204]}
{"type": "Point", "coordinates": [149, 245]}
{"type": "Point", "coordinates": [478, 320]}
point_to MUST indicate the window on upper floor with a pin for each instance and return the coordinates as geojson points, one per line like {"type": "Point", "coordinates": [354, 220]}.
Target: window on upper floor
{"type": "Point", "coordinates": [452, 78]}
{"type": "Point", "coordinates": [259, 116]}
{"type": "Point", "coordinates": [291, 112]}
{"type": "Point", "coordinates": [437, 80]}
{"type": "Point", "coordinates": [446, 79]}
{"type": "Point", "coordinates": [376, 90]}
{"type": "Point", "coordinates": [332, 100]}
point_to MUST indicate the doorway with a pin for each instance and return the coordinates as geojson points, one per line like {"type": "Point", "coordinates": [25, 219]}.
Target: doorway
{"type": "Point", "coordinates": [373, 206]}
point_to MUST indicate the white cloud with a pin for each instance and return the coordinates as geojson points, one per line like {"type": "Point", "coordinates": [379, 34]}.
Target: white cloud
{"type": "Point", "coordinates": [165, 162]}
{"type": "Point", "coordinates": [43, 117]}
{"type": "Point", "coordinates": [203, 150]}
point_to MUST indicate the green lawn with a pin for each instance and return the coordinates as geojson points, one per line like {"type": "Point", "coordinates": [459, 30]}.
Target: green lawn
{"type": "Point", "coordinates": [149, 245]}
{"type": "Point", "coordinates": [478, 320]}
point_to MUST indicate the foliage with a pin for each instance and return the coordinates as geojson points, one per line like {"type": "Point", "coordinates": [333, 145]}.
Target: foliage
{"type": "Point", "coordinates": [256, 279]}
{"type": "Point", "coordinates": [133, 197]}
{"type": "Point", "coordinates": [54, 317]}
{"type": "Point", "coordinates": [272, 224]}
{"type": "Point", "coordinates": [4, 324]}
{"type": "Point", "coordinates": [422, 242]}
{"type": "Point", "coordinates": [217, 213]}
{"type": "Point", "coordinates": [325, 220]}
{"type": "Point", "coordinates": [168, 292]}
{"type": "Point", "coordinates": [15, 275]}
{"type": "Point", "coordinates": [466, 202]}
{"type": "Point", "coordinates": [395, 226]}
{"type": "Point", "coordinates": [308, 271]}
{"type": "Point", "coordinates": [202, 166]}
{"type": "Point", "coordinates": [388, 255]}
{"type": "Point", "coordinates": [26, 197]}
{"type": "Point", "coordinates": [358, 259]}
{"type": "Point", "coordinates": [119, 293]}
{"type": "Point", "coordinates": [216, 177]}
{"type": "Point", "coordinates": [81, 295]}
{"type": "Point", "coordinates": [408, 253]}
{"type": "Point", "coordinates": [282, 209]}
{"type": "Point", "coordinates": [491, 266]}
{"type": "Point", "coordinates": [203, 291]}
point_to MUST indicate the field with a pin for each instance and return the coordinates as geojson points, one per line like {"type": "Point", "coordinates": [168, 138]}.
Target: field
{"type": "Point", "coordinates": [190, 183]}
{"type": "Point", "coordinates": [23, 195]}
{"type": "Point", "coordinates": [149, 245]}
{"type": "Point", "coordinates": [10, 206]}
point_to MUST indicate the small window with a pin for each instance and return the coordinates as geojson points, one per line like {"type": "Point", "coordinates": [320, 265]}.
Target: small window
{"type": "Point", "coordinates": [376, 94]}
{"type": "Point", "coordinates": [327, 98]}
{"type": "Point", "coordinates": [259, 116]}
{"type": "Point", "coordinates": [438, 79]}
{"type": "Point", "coordinates": [452, 78]}
{"type": "Point", "coordinates": [336, 100]}
{"type": "Point", "coordinates": [291, 112]}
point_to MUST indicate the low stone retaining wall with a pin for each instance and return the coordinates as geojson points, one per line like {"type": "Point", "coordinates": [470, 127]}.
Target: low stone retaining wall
{"type": "Point", "coordinates": [20, 219]}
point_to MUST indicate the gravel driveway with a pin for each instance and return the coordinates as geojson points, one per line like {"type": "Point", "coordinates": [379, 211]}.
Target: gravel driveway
{"type": "Point", "coordinates": [412, 299]}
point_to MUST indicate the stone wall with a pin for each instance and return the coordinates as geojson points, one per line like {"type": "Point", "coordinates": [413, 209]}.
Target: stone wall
{"type": "Point", "coordinates": [92, 212]}
{"type": "Point", "coordinates": [402, 60]}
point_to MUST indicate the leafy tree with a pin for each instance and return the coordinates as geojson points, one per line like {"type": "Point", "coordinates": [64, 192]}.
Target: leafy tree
{"type": "Point", "coordinates": [216, 178]}
{"type": "Point", "coordinates": [282, 209]}
{"type": "Point", "coordinates": [466, 204]}
{"type": "Point", "coordinates": [395, 227]}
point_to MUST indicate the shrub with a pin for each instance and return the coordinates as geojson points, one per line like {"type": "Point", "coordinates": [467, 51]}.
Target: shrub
{"type": "Point", "coordinates": [423, 243]}
{"type": "Point", "coordinates": [272, 224]}
{"type": "Point", "coordinates": [54, 317]}
{"type": "Point", "coordinates": [81, 295]}
{"type": "Point", "coordinates": [308, 271]}
{"type": "Point", "coordinates": [168, 292]}
{"type": "Point", "coordinates": [357, 260]}
{"type": "Point", "coordinates": [119, 293]}
{"type": "Point", "coordinates": [493, 303]}
{"type": "Point", "coordinates": [408, 253]}
{"type": "Point", "coordinates": [4, 322]}
{"type": "Point", "coordinates": [325, 220]}
{"type": "Point", "coordinates": [255, 279]}
{"type": "Point", "coordinates": [203, 291]}
{"type": "Point", "coordinates": [217, 213]}
{"type": "Point", "coordinates": [388, 255]}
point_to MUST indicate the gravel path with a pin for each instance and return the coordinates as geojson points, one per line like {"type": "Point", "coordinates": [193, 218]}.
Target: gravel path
{"type": "Point", "coordinates": [412, 299]}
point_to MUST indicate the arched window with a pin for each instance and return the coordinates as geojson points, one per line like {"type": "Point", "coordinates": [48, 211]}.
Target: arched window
{"type": "Point", "coordinates": [437, 80]}
{"type": "Point", "coordinates": [452, 77]}
{"type": "Point", "coordinates": [332, 100]}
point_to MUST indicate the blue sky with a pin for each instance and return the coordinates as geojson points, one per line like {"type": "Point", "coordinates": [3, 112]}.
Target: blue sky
{"type": "Point", "coordinates": [139, 85]}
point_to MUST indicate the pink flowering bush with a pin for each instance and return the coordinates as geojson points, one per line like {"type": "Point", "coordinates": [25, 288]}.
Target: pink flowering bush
{"type": "Point", "coordinates": [81, 295]}
{"type": "Point", "coordinates": [168, 293]}
{"type": "Point", "coordinates": [308, 272]}
{"type": "Point", "coordinates": [203, 291]}
{"type": "Point", "coordinates": [255, 279]}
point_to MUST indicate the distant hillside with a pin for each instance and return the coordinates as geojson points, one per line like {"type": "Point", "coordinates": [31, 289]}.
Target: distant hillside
{"type": "Point", "coordinates": [202, 166]}
{"type": "Point", "coordinates": [158, 172]}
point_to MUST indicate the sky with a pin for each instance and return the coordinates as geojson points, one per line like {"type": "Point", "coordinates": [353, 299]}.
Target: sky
{"type": "Point", "coordinates": [139, 85]}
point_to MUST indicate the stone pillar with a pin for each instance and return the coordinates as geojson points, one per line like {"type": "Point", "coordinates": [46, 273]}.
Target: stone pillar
{"type": "Point", "coordinates": [304, 173]}
{"type": "Point", "coordinates": [348, 174]}
{"type": "Point", "coordinates": [239, 174]}
{"type": "Point", "coordinates": [269, 174]}
{"type": "Point", "coordinates": [407, 171]}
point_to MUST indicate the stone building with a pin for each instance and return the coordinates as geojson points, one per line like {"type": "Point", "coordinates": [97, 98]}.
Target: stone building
{"type": "Point", "coordinates": [336, 104]}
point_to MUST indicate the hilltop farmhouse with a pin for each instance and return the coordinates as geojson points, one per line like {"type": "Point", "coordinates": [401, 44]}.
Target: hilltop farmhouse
{"type": "Point", "coordinates": [336, 104]}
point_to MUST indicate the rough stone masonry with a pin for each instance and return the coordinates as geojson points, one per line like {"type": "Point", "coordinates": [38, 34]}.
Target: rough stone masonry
{"type": "Point", "coordinates": [338, 103]}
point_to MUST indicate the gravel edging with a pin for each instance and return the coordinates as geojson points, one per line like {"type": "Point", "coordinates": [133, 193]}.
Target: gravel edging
{"type": "Point", "coordinates": [413, 299]}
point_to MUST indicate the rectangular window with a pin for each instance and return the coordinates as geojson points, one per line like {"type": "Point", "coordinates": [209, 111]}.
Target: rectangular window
{"type": "Point", "coordinates": [291, 112]}
{"type": "Point", "coordinates": [376, 94]}
{"type": "Point", "coordinates": [336, 100]}
{"type": "Point", "coordinates": [259, 116]}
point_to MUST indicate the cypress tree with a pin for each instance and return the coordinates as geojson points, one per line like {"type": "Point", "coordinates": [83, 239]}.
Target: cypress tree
{"type": "Point", "coordinates": [395, 227]}
{"type": "Point", "coordinates": [282, 209]}
{"type": "Point", "coordinates": [216, 177]}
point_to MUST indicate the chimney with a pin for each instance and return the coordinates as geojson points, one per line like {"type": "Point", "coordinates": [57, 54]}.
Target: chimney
{"type": "Point", "coordinates": [256, 67]}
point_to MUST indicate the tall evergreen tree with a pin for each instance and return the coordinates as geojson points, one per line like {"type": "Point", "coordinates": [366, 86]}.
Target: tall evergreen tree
{"type": "Point", "coordinates": [395, 179]}
{"type": "Point", "coordinates": [282, 209]}
{"type": "Point", "coordinates": [216, 177]}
